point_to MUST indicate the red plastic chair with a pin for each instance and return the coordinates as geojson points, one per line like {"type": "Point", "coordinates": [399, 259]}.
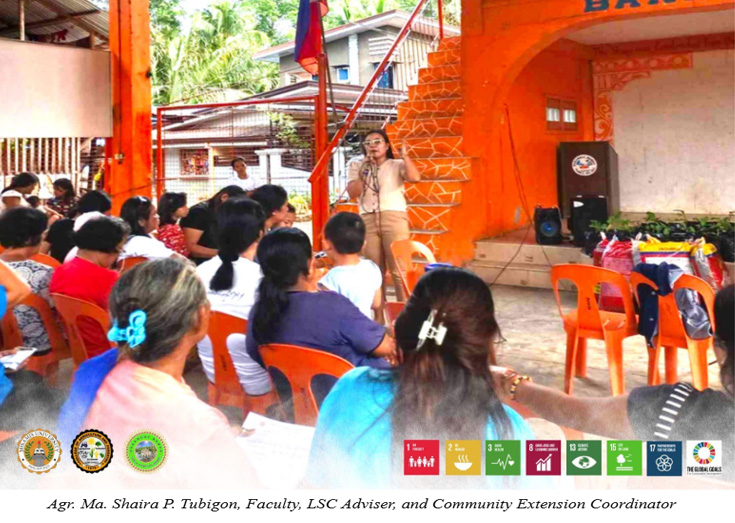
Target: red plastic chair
{"type": "Point", "coordinates": [587, 321]}
{"type": "Point", "coordinates": [227, 389]}
{"type": "Point", "coordinates": [671, 332]}
{"type": "Point", "coordinates": [129, 263]}
{"type": "Point", "coordinates": [405, 252]}
{"type": "Point", "coordinates": [45, 259]}
{"type": "Point", "coordinates": [300, 365]}
{"type": "Point", "coordinates": [48, 364]}
{"type": "Point", "coordinates": [71, 311]}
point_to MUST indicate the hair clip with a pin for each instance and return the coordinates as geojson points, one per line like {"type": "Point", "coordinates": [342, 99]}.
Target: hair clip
{"type": "Point", "coordinates": [134, 334]}
{"type": "Point", "coordinates": [429, 332]}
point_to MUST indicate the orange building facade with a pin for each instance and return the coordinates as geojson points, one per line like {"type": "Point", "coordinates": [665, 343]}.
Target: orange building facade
{"type": "Point", "coordinates": [476, 123]}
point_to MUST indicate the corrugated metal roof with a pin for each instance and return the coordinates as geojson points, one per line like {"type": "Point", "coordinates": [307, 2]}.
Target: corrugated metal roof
{"type": "Point", "coordinates": [39, 11]}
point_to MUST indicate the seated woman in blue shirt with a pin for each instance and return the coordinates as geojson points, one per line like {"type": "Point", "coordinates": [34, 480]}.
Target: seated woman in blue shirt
{"type": "Point", "coordinates": [291, 309]}
{"type": "Point", "coordinates": [443, 390]}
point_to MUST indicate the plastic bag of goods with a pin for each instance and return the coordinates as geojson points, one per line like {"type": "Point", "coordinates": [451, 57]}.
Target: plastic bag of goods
{"type": "Point", "coordinates": [657, 252]}
{"type": "Point", "coordinates": [617, 256]}
{"type": "Point", "coordinates": [708, 264]}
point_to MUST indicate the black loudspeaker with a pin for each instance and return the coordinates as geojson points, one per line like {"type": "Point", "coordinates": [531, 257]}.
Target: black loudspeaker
{"type": "Point", "coordinates": [548, 225]}
{"type": "Point", "coordinates": [584, 210]}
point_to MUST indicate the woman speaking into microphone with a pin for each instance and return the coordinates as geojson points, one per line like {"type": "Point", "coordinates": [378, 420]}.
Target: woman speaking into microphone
{"type": "Point", "coordinates": [377, 182]}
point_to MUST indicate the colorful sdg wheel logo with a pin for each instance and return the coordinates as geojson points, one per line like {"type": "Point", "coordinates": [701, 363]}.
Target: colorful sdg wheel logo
{"type": "Point", "coordinates": [704, 453]}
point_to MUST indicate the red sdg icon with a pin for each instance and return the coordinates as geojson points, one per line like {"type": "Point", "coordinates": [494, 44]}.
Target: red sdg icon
{"type": "Point", "coordinates": [421, 457]}
{"type": "Point", "coordinates": [543, 457]}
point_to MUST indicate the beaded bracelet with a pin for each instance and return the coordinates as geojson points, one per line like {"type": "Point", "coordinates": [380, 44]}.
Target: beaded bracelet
{"type": "Point", "coordinates": [514, 385]}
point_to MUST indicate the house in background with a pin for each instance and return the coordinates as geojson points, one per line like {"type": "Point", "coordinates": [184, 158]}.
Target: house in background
{"type": "Point", "coordinates": [277, 141]}
{"type": "Point", "coordinates": [355, 49]}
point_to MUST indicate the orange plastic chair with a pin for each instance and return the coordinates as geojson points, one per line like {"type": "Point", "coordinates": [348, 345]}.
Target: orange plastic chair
{"type": "Point", "coordinates": [671, 332]}
{"type": "Point", "coordinates": [45, 259]}
{"type": "Point", "coordinates": [48, 364]}
{"type": "Point", "coordinates": [227, 389]}
{"type": "Point", "coordinates": [129, 263]}
{"type": "Point", "coordinates": [393, 309]}
{"type": "Point", "coordinates": [71, 311]}
{"type": "Point", "coordinates": [404, 252]}
{"type": "Point", "coordinates": [587, 321]}
{"type": "Point", "coordinates": [300, 365]}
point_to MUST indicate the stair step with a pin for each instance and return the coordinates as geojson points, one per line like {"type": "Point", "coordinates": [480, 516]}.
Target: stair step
{"type": "Point", "coordinates": [429, 238]}
{"type": "Point", "coordinates": [434, 147]}
{"type": "Point", "coordinates": [434, 192]}
{"type": "Point", "coordinates": [440, 73]}
{"type": "Point", "coordinates": [414, 109]}
{"type": "Point", "coordinates": [450, 56]}
{"type": "Point", "coordinates": [453, 42]}
{"type": "Point", "coordinates": [518, 276]}
{"type": "Point", "coordinates": [434, 90]}
{"type": "Point", "coordinates": [444, 169]}
{"type": "Point", "coordinates": [502, 252]}
{"type": "Point", "coordinates": [447, 125]}
{"type": "Point", "coordinates": [429, 217]}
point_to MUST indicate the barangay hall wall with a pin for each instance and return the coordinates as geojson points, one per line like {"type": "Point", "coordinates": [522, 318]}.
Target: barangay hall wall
{"type": "Point", "coordinates": [675, 137]}
{"type": "Point", "coordinates": [514, 54]}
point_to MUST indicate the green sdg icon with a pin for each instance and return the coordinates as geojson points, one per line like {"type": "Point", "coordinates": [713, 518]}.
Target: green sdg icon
{"type": "Point", "coordinates": [502, 458]}
{"type": "Point", "coordinates": [624, 458]}
{"type": "Point", "coordinates": [584, 458]}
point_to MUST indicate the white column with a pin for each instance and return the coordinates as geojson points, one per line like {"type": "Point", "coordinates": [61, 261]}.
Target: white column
{"type": "Point", "coordinates": [276, 161]}
{"type": "Point", "coordinates": [262, 167]}
{"type": "Point", "coordinates": [353, 53]}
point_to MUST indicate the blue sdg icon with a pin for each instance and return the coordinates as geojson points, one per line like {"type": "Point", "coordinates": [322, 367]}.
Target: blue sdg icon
{"type": "Point", "coordinates": [664, 458]}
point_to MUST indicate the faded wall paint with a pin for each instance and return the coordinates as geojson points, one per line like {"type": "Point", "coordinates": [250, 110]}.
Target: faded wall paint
{"type": "Point", "coordinates": [675, 134]}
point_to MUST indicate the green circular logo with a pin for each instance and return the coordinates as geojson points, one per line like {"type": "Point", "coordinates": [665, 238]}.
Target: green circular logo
{"type": "Point", "coordinates": [146, 451]}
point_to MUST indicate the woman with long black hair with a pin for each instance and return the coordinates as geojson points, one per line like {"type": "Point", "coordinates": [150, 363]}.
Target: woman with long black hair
{"type": "Point", "coordinates": [141, 215]}
{"type": "Point", "coordinates": [291, 309]}
{"type": "Point", "coordinates": [443, 390]}
{"type": "Point", "coordinates": [171, 208]}
{"type": "Point", "coordinates": [65, 199]}
{"type": "Point", "coordinates": [378, 184]}
{"type": "Point", "coordinates": [200, 225]}
{"type": "Point", "coordinates": [232, 278]}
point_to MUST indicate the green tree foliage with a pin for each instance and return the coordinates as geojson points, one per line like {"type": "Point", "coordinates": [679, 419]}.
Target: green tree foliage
{"type": "Point", "coordinates": [210, 57]}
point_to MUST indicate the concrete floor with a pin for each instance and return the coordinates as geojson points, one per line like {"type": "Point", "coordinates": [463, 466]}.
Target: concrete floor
{"type": "Point", "coordinates": [536, 344]}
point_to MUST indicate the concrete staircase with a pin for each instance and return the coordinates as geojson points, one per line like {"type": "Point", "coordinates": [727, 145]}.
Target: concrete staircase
{"type": "Point", "coordinates": [430, 125]}
{"type": "Point", "coordinates": [504, 261]}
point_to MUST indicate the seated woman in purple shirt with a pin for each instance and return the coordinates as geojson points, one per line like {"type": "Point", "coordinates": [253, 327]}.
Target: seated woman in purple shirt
{"type": "Point", "coordinates": [291, 309]}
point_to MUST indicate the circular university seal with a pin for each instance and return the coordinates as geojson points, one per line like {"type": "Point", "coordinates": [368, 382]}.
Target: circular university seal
{"type": "Point", "coordinates": [91, 451]}
{"type": "Point", "coordinates": [146, 451]}
{"type": "Point", "coordinates": [39, 451]}
{"type": "Point", "coordinates": [584, 165]}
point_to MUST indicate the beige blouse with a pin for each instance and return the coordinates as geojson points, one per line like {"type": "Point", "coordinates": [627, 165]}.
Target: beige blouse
{"type": "Point", "coordinates": [389, 195]}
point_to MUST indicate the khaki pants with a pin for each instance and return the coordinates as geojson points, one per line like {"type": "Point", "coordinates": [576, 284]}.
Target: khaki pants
{"type": "Point", "coordinates": [382, 229]}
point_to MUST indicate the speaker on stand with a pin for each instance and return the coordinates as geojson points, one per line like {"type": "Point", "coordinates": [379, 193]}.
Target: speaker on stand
{"type": "Point", "coordinates": [548, 225]}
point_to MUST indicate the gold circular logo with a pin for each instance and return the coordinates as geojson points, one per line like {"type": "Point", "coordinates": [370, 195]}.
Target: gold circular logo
{"type": "Point", "coordinates": [91, 451]}
{"type": "Point", "coordinates": [39, 451]}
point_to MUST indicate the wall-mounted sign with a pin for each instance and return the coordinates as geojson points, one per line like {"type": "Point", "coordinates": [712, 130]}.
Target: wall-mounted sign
{"type": "Point", "coordinates": [584, 165]}
{"type": "Point", "coordinates": [604, 5]}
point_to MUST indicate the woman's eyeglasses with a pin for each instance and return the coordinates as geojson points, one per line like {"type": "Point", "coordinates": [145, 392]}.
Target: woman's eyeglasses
{"type": "Point", "coordinates": [374, 143]}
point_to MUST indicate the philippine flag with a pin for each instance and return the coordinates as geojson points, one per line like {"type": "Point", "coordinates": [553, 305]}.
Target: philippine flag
{"type": "Point", "coordinates": [308, 33]}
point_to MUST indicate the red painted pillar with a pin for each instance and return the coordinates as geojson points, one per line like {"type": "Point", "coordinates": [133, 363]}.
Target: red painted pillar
{"type": "Point", "coordinates": [129, 165]}
{"type": "Point", "coordinates": [320, 187]}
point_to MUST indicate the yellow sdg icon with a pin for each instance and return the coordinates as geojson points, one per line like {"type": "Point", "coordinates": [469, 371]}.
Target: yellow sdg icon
{"type": "Point", "coordinates": [91, 451]}
{"type": "Point", "coordinates": [39, 451]}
